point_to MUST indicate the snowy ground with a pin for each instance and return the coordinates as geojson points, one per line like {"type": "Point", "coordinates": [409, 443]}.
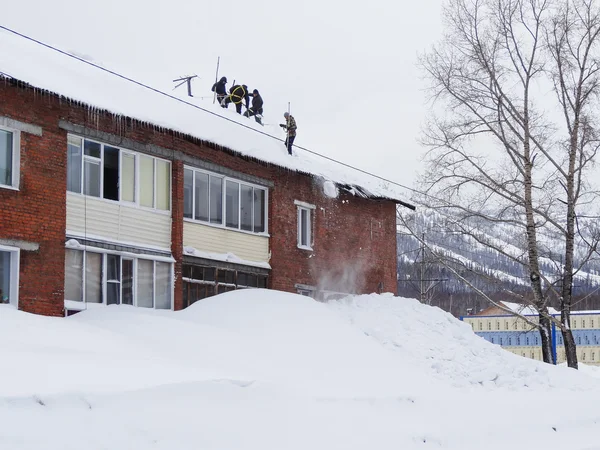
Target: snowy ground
{"type": "Point", "coordinates": [267, 370]}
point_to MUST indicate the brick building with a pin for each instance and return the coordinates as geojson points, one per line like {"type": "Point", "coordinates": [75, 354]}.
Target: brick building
{"type": "Point", "coordinates": [122, 198]}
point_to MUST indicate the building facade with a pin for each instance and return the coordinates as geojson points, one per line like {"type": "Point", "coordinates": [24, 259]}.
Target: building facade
{"type": "Point", "coordinates": [519, 337]}
{"type": "Point", "coordinates": [100, 209]}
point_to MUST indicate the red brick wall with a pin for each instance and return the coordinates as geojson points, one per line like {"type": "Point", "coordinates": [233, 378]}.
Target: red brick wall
{"type": "Point", "coordinates": [36, 212]}
{"type": "Point", "coordinates": [177, 230]}
{"type": "Point", "coordinates": [354, 238]}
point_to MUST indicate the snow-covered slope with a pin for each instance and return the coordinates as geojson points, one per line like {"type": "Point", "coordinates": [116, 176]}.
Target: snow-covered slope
{"type": "Point", "coordinates": [447, 348]}
{"type": "Point", "coordinates": [260, 369]}
{"type": "Point", "coordinates": [453, 246]}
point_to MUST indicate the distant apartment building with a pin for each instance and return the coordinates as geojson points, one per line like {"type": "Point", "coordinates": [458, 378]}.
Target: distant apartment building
{"type": "Point", "coordinates": [517, 336]}
{"type": "Point", "coordinates": [100, 207]}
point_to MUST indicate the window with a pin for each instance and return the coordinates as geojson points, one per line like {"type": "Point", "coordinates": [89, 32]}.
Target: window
{"type": "Point", "coordinates": [9, 158]}
{"type": "Point", "coordinates": [506, 325]}
{"type": "Point", "coordinates": [145, 283]}
{"type": "Point", "coordinates": [591, 323]}
{"type": "Point", "coordinates": [492, 340]}
{"type": "Point", "coordinates": [489, 326]}
{"type": "Point", "coordinates": [128, 177]}
{"type": "Point", "coordinates": [583, 323]}
{"type": "Point", "coordinates": [203, 281]}
{"type": "Point", "coordinates": [9, 275]}
{"type": "Point", "coordinates": [497, 325]}
{"type": "Point", "coordinates": [103, 171]}
{"type": "Point", "coordinates": [209, 197]}
{"type": "Point", "coordinates": [146, 181]}
{"type": "Point", "coordinates": [306, 292]}
{"type": "Point", "coordinates": [112, 279]}
{"type": "Point", "coordinates": [305, 234]}
{"type": "Point", "coordinates": [480, 326]}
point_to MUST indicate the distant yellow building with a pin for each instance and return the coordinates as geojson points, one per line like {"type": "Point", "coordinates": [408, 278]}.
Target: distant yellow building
{"type": "Point", "coordinates": [519, 337]}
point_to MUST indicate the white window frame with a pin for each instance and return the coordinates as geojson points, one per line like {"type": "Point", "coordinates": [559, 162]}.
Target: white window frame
{"type": "Point", "coordinates": [136, 170]}
{"type": "Point", "coordinates": [15, 258]}
{"type": "Point", "coordinates": [75, 305]}
{"type": "Point", "coordinates": [309, 208]}
{"type": "Point", "coordinates": [223, 223]}
{"type": "Point", "coordinates": [16, 159]}
{"type": "Point", "coordinates": [136, 156]}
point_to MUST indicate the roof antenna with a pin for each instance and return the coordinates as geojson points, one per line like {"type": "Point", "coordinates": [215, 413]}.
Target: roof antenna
{"type": "Point", "coordinates": [184, 80]}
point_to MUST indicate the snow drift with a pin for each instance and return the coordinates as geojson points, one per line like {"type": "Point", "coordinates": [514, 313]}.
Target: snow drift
{"type": "Point", "coordinates": [264, 369]}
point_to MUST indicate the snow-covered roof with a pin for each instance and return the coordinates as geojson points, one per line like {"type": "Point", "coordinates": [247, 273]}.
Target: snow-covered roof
{"type": "Point", "coordinates": [49, 70]}
{"type": "Point", "coordinates": [525, 310]}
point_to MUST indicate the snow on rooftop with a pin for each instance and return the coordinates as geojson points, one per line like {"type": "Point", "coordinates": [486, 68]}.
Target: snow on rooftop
{"type": "Point", "coordinates": [47, 69]}
{"type": "Point", "coordinates": [526, 310]}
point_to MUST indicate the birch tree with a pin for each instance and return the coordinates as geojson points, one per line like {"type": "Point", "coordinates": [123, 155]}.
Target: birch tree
{"type": "Point", "coordinates": [514, 135]}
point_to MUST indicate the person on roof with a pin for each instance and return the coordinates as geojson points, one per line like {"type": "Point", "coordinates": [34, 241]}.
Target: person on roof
{"type": "Point", "coordinates": [221, 90]}
{"type": "Point", "coordinates": [237, 94]}
{"type": "Point", "coordinates": [257, 107]}
{"type": "Point", "coordinates": [290, 127]}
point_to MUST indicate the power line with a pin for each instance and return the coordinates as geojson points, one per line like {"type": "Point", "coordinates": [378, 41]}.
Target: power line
{"type": "Point", "coordinates": [158, 91]}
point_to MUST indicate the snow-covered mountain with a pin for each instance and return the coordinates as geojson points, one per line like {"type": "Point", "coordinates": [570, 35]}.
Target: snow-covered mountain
{"type": "Point", "coordinates": [487, 268]}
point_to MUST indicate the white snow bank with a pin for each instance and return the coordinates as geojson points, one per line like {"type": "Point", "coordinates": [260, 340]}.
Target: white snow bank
{"type": "Point", "coordinates": [443, 345]}
{"type": "Point", "coordinates": [257, 369]}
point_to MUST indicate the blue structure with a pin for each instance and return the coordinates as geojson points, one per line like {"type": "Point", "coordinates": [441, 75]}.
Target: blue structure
{"type": "Point", "coordinates": [518, 336]}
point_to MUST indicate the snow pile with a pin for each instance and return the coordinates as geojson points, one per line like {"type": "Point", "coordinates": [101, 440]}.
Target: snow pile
{"type": "Point", "coordinates": [330, 189]}
{"type": "Point", "coordinates": [435, 340]}
{"type": "Point", "coordinates": [257, 369]}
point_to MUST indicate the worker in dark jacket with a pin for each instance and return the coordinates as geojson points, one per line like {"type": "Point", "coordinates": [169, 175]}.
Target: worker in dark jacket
{"type": "Point", "coordinates": [221, 90]}
{"type": "Point", "coordinates": [257, 107]}
{"type": "Point", "coordinates": [290, 127]}
{"type": "Point", "coordinates": [237, 95]}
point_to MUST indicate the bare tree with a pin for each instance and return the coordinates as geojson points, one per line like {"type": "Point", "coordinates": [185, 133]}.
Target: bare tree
{"type": "Point", "coordinates": [421, 279]}
{"type": "Point", "coordinates": [499, 153]}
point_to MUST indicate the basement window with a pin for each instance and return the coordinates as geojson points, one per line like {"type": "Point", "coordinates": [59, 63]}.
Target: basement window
{"type": "Point", "coordinates": [9, 158]}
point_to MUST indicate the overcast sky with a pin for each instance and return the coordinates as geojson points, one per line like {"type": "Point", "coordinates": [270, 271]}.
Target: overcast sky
{"type": "Point", "coordinates": [347, 67]}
